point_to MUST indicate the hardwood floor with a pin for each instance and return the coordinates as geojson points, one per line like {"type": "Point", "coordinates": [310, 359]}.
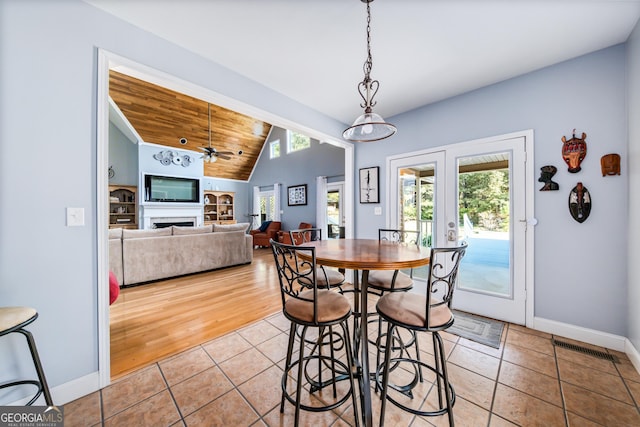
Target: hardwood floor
{"type": "Point", "coordinates": [153, 321]}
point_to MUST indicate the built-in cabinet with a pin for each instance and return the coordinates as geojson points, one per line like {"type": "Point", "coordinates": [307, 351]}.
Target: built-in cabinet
{"type": "Point", "coordinates": [123, 206]}
{"type": "Point", "coordinates": [218, 207]}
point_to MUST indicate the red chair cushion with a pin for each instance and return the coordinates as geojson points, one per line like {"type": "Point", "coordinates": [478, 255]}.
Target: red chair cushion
{"type": "Point", "coordinates": [114, 288]}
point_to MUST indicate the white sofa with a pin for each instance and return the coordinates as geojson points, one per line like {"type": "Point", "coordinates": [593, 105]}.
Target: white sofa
{"type": "Point", "coordinates": [139, 256]}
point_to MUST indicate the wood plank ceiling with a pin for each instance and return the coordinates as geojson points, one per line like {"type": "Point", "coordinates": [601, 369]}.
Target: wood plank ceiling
{"type": "Point", "coordinates": [162, 116]}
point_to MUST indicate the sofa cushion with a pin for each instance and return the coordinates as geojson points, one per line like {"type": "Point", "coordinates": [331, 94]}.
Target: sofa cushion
{"type": "Point", "coordinates": [153, 232]}
{"type": "Point", "coordinates": [115, 233]}
{"type": "Point", "coordinates": [264, 225]}
{"type": "Point", "coordinates": [242, 226]}
{"type": "Point", "coordinates": [182, 231]}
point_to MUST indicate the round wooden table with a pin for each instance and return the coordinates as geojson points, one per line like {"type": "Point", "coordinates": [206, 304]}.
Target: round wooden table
{"type": "Point", "coordinates": [364, 255]}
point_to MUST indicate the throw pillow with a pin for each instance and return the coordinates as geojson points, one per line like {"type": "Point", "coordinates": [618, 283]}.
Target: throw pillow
{"type": "Point", "coordinates": [114, 287]}
{"type": "Point", "coordinates": [242, 226]}
{"type": "Point", "coordinates": [264, 225]}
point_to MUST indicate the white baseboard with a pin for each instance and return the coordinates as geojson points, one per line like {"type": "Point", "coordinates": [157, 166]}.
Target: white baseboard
{"type": "Point", "coordinates": [590, 336]}
{"type": "Point", "coordinates": [633, 354]}
{"type": "Point", "coordinates": [69, 391]}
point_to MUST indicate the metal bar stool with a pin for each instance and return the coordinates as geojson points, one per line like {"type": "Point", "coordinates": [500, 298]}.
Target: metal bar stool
{"type": "Point", "coordinates": [308, 305]}
{"type": "Point", "coordinates": [14, 319]}
{"type": "Point", "coordinates": [430, 312]}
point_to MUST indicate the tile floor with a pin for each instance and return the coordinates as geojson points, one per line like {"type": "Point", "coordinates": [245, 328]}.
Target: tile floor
{"type": "Point", "coordinates": [234, 380]}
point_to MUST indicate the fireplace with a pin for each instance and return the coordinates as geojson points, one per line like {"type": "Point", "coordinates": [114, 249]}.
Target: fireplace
{"type": "Point", "coordinates": [168, 222]}
{"type": "Point", "coordinates": [155, 216]}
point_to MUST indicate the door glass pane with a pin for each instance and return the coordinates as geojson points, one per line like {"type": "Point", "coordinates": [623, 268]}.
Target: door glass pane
{"type": "Point", "coordinates": [484, 221]}
{"type": "Point", "coordinates": [333, 214]}
{"type": "Point", "coordinates": [417, 205]}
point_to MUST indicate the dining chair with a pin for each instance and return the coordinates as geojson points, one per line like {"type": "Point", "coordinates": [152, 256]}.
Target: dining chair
{"type": "Point", "coordinates": [14, 319]}
{"type": "Point", "coordinates": [307, 304]}
{"type": "Point", "coordinates": [432, 313]}
{"type": "Point", "coordinates": [325, 275]}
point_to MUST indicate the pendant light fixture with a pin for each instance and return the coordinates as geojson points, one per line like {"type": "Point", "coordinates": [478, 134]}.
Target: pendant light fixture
{"type": "Point", "coordinates": [369, 126]}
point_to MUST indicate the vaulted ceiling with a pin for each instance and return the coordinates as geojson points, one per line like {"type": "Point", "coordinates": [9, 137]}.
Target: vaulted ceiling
{"type": "Point", "coordinates": [162, 116]}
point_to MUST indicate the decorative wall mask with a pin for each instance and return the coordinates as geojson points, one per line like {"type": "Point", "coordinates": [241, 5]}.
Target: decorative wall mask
{"type": "Point", "coordinates": [169, 157]}
{"type": "Point", "coordinates": [580, 203]}
{"type": "Point", "coordinates": [574, 151]}
{"type": "Point", "coordinates": [546, 173]}
{"type": "Point", "coordinates": [610, 164]}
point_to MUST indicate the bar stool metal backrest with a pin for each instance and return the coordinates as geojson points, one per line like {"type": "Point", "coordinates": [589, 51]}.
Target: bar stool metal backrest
{"type": "Point", "coordinates": [430, 312]}
{"type": "Point", "coordinates": [327, 277]}
{"type": "Point", "coordinates": [308, 305]}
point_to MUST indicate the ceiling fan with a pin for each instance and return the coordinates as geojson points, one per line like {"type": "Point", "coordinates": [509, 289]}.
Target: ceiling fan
{"type": "Point", "coordinates": [211, 154]}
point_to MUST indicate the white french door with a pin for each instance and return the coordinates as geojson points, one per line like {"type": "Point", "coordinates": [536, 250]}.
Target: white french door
{"type": "Point", "coordinates": [475, 192]}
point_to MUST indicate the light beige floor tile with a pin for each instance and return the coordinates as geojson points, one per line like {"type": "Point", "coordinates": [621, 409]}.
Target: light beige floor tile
{"type": "Point", "coordinates": [226, 347]}
{"type": "Point", "coordinates": [275, 348]}
{"type": "Point", "coordinates": [634, 388]}
{"type": "Point", "coordinates": [496, 421]}
{"type": "Point", "coordinates": [259, 332]}
{"type": "Point", "coordinates": [158, 410]}
{"type": "Point", "coordinates": [465, 414]}
{"type": "Point", "coordinates": [263, 391]}
{"type": "Point", "coordinates": [577, 421]}
{"type": "Point", "coordinates": [475, 361]}
{"type": "Point", "coordinates": [586, 360]}
{"type": "Point", "coordinates": [200, 389]}
{"type": "Point", "coordinates": [185, 365]}
{"type": "Point", "coordinates": [132, 389]}
{"type": "Point", "coordinates": [524, 329]}
{"type": "Point", "coordinates": [84, 411]}
{"type": "Point", "coordinates": [471, 386]}
{"type": "Point", "coordinates": [530, 382]}
{"type": "Point", "coordinates": [532, 342]}
{"type": "Point", "coordinates": [280, 322]}
{"type": "Point", "coordinates": [525, 410]}
{"type": "Point", "coordinates": [228, 410]}
{"type": "Point", "coordinates": [307, 418]}
{"type": "Point", "coordinates": [534, 360]}
{"type": "Point", "coordinates": [598, 408]}
{"type": "Point", "coordinates": [594, 380]}
{"type": "Point", "coordinates": [245, 365]}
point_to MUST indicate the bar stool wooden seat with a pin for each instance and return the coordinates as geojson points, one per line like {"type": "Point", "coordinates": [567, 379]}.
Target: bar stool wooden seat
{"type": "Point", "coordinates": [421, 313]}
{"type": "Point", "coordinates": [14, 319]}
{"type": "Point", "coordinates": [308, 305]}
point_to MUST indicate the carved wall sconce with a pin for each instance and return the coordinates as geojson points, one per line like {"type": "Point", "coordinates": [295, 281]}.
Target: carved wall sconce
{"type": "Point", "coordinates": [610, 164]}
{"type": "Point", "coordinates": [546, 173]}
{"type": "Point", "coordinates": [574, 151]}
{"type": "Point", "coordinates": [168, 157]}
{"type": "Point", "coordinates": [580, 203]}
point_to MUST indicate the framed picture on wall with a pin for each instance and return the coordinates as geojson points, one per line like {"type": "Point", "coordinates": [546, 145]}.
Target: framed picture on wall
{"type": "Point", "coordinates": [297, 195]}
{"type": "Point", "coordinates": [369, 185]}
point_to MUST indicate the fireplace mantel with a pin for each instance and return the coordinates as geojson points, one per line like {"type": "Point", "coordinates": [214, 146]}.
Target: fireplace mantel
{"type": "Point", "coordinates": [151, 211]}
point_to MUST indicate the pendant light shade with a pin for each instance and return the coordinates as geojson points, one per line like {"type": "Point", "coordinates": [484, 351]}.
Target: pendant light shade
{"type": "Point", "coordinates": [369, 126]}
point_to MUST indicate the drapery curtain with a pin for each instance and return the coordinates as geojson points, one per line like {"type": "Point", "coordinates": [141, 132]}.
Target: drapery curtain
{"type": "Point", "coordinates": [256, 207]}
{"type": "Point", "coordinates": [276, 201]}
{"type": "Point", "coordinates": [321, 205]}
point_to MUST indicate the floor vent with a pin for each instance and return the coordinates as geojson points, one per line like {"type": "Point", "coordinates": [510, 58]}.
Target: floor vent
{"type": "Point", "coordinates": [585, 350]}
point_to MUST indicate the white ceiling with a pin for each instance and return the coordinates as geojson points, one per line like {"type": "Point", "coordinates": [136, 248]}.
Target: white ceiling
{"type": "Point", "coordinates": [423, 50]}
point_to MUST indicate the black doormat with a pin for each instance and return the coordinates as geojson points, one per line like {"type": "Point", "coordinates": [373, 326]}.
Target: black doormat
{"type": "Point", "coordinates": [475, 328]}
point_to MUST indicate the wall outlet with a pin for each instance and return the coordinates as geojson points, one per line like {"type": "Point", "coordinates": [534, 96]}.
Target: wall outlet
{"type": "Point", "coordinates": [377, 210]}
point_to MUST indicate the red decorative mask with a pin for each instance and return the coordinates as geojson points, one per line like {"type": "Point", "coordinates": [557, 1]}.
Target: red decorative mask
{"type": "Point", "coordinates": [574, 151]}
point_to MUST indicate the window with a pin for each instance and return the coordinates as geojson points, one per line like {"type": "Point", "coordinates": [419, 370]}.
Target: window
{"type": "Point", "coordinates": [297, 141]}
{"type": "Point", "coordinates": [274, 149]}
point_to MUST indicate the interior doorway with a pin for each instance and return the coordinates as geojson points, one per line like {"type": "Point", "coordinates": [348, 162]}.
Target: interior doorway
{"type": "Point", "coordinates": [108, 60]}
{"type": "Point", "coordinates": [479, 192]}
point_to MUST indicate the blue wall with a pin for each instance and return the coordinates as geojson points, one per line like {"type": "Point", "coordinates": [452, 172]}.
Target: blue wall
{"type": "Point", "coordinates": [297, 168]}
{"type": "Point", "coordinates": [123, 157]}
{"type": "Point", "coordinates": [580, 269]}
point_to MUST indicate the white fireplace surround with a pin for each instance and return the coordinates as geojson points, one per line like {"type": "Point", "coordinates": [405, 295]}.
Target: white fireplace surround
{"type": "Point", "coordinates": [152, 214]}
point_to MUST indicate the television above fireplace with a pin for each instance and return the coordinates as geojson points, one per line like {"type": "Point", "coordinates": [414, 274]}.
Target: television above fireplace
{"type": "Point", "coordinates": [171, 189]}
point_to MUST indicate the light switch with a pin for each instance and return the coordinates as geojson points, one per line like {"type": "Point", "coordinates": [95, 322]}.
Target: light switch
{"type": "Point", "coordinates": [377, 210]}
{"type": "Point", "coordinates": [75, 217]}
